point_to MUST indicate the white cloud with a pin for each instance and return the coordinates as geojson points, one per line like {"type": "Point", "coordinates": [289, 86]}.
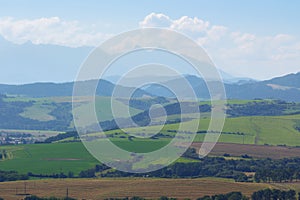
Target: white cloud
{"type": "Point", "coordinates": [216, 32]}
{"type": "Point", "coordinates": [156, 20]}
{"type": "Point", "coordinates": [196, 28]}
{"type": "Point", "coordinates": [239, 53]}
{"type": "Point", "coordinates": [51, 30]}
{"type": "Point", "coordinates": [186, 23]}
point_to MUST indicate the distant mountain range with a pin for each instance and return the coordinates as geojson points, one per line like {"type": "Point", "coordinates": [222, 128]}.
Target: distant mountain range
{"type": "Point", "coordinates": [30, 63]}
{"type": "Point", "coordinates": [131, 81]}
{"type": "Point", "coordinates": [105, 88]}
{"type": "Point", "coordinates": [26, 63]}
{"type": "Point", "coordinates": [284, 88]}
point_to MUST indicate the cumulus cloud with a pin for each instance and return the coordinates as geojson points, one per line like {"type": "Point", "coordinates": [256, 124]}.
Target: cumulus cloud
{"type": "Point", "coordinates": [237, 52]}
{"type": "Point", "coordinates": [186, 23]}
{"type": "Point", "coordinates": [51, 30]}
{"type": "Point", "coordinates": [240, 53]}
{"type": "Point", "coordinates": [197, 28]}
{"type": "Point", "coordinates": [156, 20]}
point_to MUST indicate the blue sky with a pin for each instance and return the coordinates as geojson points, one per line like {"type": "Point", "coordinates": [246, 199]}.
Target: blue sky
{"type": "Point", "coordinates": [261, 17]}
{"type": "Point", "coordinates": [258, 39]}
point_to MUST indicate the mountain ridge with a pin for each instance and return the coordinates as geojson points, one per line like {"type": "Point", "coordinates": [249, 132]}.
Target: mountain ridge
{"type": "Point", "coordinates": [285, 87]}
{"type": "Point", "coordinates": [49, 89]}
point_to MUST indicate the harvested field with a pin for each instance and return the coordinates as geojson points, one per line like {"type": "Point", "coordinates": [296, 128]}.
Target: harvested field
{"type": "Point", "coordinates": [125, 187]}
{"type": "Point", "coordinates": [255, 151]}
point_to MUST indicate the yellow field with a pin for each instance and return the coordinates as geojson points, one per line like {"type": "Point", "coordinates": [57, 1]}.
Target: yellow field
{"type": "Point", "coordinates": [128, 187]}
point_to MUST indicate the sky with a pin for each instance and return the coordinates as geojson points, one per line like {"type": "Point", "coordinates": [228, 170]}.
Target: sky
{"type": "Point", "coordinates": [251, 38]}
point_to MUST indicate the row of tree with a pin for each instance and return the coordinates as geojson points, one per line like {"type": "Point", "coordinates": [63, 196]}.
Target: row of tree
{"type": "Point", "coordinates": [12, 176]}
{"type": "Point", "coordinates": [62, 136]}
{"type": "Point", "coordinates": [260, 108]}
{"type": "Point", "coordinates": [278, 172]}
{"type": "Point", "coordinates": [54, 175]}
{"type": "Point", "coordinates": [265, 170]}
{"type": "Point", "coordinates": [274, 194]}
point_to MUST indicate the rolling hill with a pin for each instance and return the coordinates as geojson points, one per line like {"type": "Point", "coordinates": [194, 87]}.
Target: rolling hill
{"type": "Point", "coordinates": [105, 88]}
{"type": "Point", "coordinates": [285, 88]}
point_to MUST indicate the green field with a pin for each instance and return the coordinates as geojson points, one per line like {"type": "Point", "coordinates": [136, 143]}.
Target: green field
{"type": "Point", "coordinates": [272, 130]}
{"type": "Point", "coordinates": [140, 145]}
{"type": "Point", "coordinates": [42, 107]}
{"type": "Point", "coordinates": [39, 111]}
{"type": "Point", "coordinates": [103, 108]}
{"type": "Point", "coordinates": [48, 158]}
{"type": "Point", "coordinates": [66, 155]}
{"type": "Point", "coordinates": [63, 157]}
{"type": "Point", "coordinates": [277, 130]}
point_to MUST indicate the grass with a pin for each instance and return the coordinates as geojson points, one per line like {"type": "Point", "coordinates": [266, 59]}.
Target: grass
{"type": "Point", "coordinates": [140, 145]}
{"type": "Point", "coordinates": [42, 107]}
{"type": "Point", "coordinates": [261, 130]}
{"type": "Point", "coordinates": [39, 111]}
{"type": "Point", "coordinates": [65, 157]}
{"type": "Point", "coordinates": [103, 109]}
{"type": "Point", "coordinates": [48, 158]}
{"type": "Point", "coordinates": [186, 160]}
{"type": "Point", "coordinates": [273, 130]}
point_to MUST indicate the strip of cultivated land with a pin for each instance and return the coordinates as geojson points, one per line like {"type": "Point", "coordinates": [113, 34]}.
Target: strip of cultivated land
{"type": "Point", "coordinates": [255, 151]}
{"type": "Point", "coordinates": [125, 187]}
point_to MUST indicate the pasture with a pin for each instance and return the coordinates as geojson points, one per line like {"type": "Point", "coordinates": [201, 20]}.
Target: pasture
{"type": "Point", "coordinates": [48, 158]}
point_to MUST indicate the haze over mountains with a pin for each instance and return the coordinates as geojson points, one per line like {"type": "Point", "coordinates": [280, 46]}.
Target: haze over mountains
{"type": "Point", "coordinates": [29, 63]}
{"type": "Point", "coordinates": [285, 88]}
{"type": "Point", "coordinates": [41, 61]}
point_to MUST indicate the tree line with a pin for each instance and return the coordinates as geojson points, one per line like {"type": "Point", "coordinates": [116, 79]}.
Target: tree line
{"type": "Point", "coordinates": [265, 194]}
{"type": "Point", "coordinates": [275, 194]}
{"type": "Point", "coordinates": [285, 170]}
{"type": "Point", "coordinates": [260, 108]}
{"type": "Point", "coordinates": [62, 136]}
{"type": "Point", "coordinates": [12, 176]}
{"type": "Point", "coordinates": [265, 170]}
